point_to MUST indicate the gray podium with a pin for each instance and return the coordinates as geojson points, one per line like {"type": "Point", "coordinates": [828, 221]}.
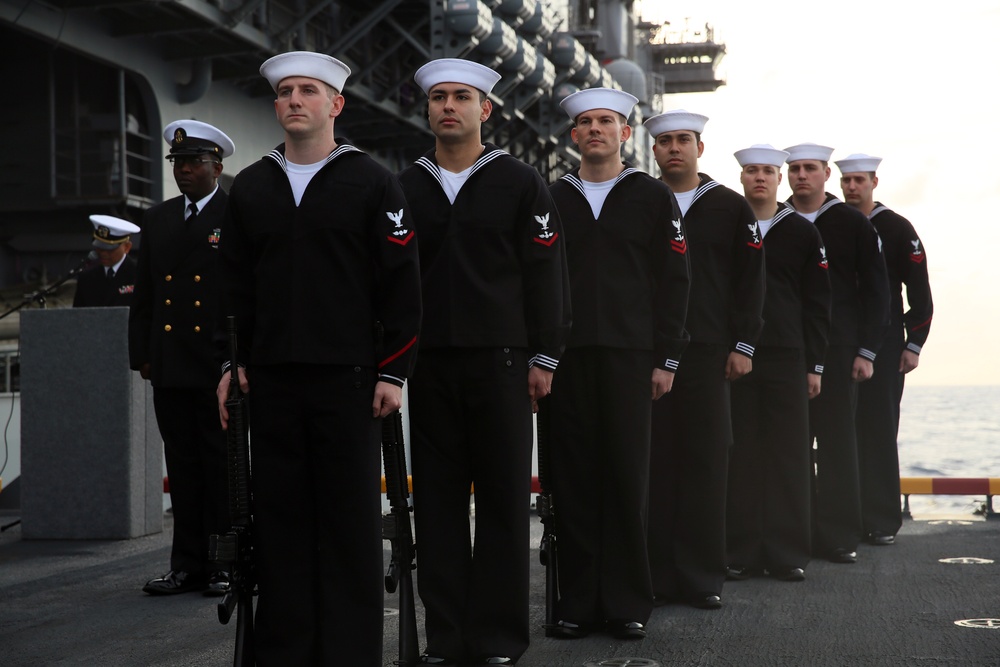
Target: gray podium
{"type": "Point", "coordinates": [91, 454]}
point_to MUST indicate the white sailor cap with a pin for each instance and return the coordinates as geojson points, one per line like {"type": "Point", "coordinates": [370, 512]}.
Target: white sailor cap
{"type": "Point", "coordinates": [761, 154]}
{"type": "Point", "coordinates": [598, 98]}
{"type": "Point", "coordinates": [192, 137]}
{"type": "Point", "coordinates": [677, 119]}
{"type": "Point", "coordinates": [110, 232]}
{"type": "Point", "coordinates": [456, 70]}
{"type": "Point", "coordinates": [809, 151]}
{"type": "Point", "coordinates": [858, 162]}
{"type": "Point", "coordinates": [309, 64]}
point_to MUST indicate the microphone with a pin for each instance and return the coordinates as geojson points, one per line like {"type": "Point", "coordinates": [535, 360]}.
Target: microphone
{"type": "Point", "coordinates": [43, 291]}
{"type": "Point", "coordinates": [91, 257]}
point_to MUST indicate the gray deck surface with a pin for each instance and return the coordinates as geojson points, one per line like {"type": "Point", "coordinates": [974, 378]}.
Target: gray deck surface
{"type": "Point", "coordinates": [80, 603]}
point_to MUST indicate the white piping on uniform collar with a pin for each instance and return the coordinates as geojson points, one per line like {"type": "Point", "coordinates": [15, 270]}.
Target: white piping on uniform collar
{"type": "Point", "coordinates": [279, 157]}
{"type": "Point", "coordinates": [434, 169]}
{"type": "Point", "coordinates": [783, 212]}
{"type": "Point", "coordinates": [827, 205]}
{"type": "Point", "coordinates": [702, 189]}
{"type": "Point", "coordinates": [577, 182]}
{"type": "Point", "coordinates": [878, 209]}
{"type": "Point", "coordinates": [830, 203]}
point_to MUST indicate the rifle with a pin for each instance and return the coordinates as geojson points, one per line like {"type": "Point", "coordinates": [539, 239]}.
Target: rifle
{"type": "Point", "coordinates": [234, 550]}
{"type": "Point", "coordinates": [397, 529]}
{"type": "Point", "coordinates": [547, 549]}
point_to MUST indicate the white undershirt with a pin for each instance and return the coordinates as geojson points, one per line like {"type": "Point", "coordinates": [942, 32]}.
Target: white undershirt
{"type": "Point", "coordinates": [596, 193]}
{"type": "Point", "coordinates": [811, 217]}
{"type": "Point", "coordinates": [299, 176]}
{"type": "Point", "coordinates": [452, 182]}
{"type": "Point", "coordinates": [685, 199]}
{"type": "Point", "coordinates": [764, 226]}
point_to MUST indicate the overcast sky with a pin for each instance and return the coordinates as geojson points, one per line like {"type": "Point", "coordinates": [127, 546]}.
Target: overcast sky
{"type": "Point", "coordinates": [913, 86]}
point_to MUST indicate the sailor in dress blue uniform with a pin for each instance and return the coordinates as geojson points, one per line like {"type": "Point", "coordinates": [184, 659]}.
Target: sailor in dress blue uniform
{"type": "Point", "coordinates": [879, 398]}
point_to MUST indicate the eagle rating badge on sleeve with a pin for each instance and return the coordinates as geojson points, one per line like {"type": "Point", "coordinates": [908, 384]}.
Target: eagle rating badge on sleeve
{"type": "Point", "coordinates": [545, 236]}
{"type": "Point", "coordinates": [678, 244]}
{"type": "Point", "coordinates": [400, 234]}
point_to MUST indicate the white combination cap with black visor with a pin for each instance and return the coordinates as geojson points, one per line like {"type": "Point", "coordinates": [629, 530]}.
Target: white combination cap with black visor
{"type": "Point", "coordinates": [111, 232]}
{"type": "Point", "coordinates": [191, 138]}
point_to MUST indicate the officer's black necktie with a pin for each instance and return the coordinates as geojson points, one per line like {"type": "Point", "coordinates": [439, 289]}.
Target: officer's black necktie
{"type": "Point", "coordinates": [110, 274]}
{"type": "Point", "coordinates": [194, 210]}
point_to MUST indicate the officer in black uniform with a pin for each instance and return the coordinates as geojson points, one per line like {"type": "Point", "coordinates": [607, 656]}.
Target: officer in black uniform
{"type": "Point", "coordinates": [495, 286]}
{"type": "Point", "coordinates": [879, 398]}
{"type": "Point", "coordinates": [112, 282]}
{"type": "Point", "coordinates": [171, 328]}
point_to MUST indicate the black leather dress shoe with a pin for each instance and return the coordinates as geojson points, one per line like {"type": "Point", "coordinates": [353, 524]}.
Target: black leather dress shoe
{"type": "Point", "coordinates": [218, 584]}
{"type": "Point", "coordinates": [434, 660]}
{"type": "Point", "coordinates": [842, 555]}
{"type": "Point", "coordinates": [498, 660]}
{"type": "Point", "coordinates": [881, 539]}
{"type": "Point", "coordinates": [174, 582]}
{"type": "Point", "coordinates": [566, 630]}
{"type": "Point", "coordinates": [707, 601]}
{"type": "Point", "coordinates": [627, 630]}
{"type": "Point", "coordinates": [789, 574]}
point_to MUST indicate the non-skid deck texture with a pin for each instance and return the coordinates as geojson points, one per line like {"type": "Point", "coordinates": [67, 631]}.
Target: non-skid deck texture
{"type": "Point", "coordinates": [80, 603]}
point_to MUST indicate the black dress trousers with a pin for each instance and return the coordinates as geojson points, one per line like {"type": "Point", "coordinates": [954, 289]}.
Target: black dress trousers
{"type": "Point", "coordinates": [599, 426]}
{"type": "Point", "coordinates": [316, 463]}
{"type": "Point", "coordinates": [194, 448]}
{"type": "Point", "coordinates": [878, 429]}
{"type": "Point", "coordinates": [470, 423]}
{"type": "Point", "coordinates": [767, 517]}
{"type": "Point", "coordinates": [691, 438]}
{"type": "Point", "coordinates": [836, 485]}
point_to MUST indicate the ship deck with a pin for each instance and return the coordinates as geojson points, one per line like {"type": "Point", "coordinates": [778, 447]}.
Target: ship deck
{"type": "Point", "coordinates": [80, 603]}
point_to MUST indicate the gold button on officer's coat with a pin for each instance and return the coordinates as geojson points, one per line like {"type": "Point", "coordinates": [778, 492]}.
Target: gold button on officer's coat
{"type": "Point", "coordinates": [167, 328]}
{"type": "Point", "coordinates": [197, 304]}
{"type": "Point", "coordinates": [197, 329]}
{"type": "Point", "coordinates": [197, 279]}
{"type": "Point", "coordinates": [169, 278]}
{"type": "Point", "coordinates": [167, 302]}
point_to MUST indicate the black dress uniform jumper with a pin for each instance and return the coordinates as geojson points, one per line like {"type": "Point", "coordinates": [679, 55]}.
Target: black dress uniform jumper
{"type": "Point", "coordinates": [879, 398]}
{"type": "Point", "coordinates": [495, 289]}
{"type": "Point", "coordinates": [629, 280]}
{"type": "Point", "coordinates": [692, 432]}
{"type": "Point", "coordinates": [308, 283]}
{"type": "Point", "coordinates": [767, 520]}
{"type": "Point", "coordinates": [95, 290]}
{"type": "Point", "coordinates": [171, 327]}
{"type": "Point", "coordinates": [859, 315]}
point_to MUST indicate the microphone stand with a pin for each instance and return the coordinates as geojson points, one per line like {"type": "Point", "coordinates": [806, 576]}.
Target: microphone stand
{"type": "Point", "coordinates": [42, 292]}
{"type": "Point", "coordinates": [39, 297]}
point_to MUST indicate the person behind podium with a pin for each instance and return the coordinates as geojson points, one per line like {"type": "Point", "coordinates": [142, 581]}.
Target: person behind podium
{"type": "Point", "coordinates": [111, 282]}
{"type": "Point", "coordinates": [171, 325]}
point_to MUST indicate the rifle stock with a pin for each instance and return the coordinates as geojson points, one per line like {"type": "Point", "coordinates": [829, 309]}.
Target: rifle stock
{"type": "Point", "coordinates": [234, 550]}
{"type": "Point", "coordinates": [548, 549]}
{"type": "Point", "coordinates": [397, 529]}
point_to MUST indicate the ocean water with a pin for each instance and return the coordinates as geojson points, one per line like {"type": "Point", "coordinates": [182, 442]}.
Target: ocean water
{"type": "Point", "coordinates": [949, 432]}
